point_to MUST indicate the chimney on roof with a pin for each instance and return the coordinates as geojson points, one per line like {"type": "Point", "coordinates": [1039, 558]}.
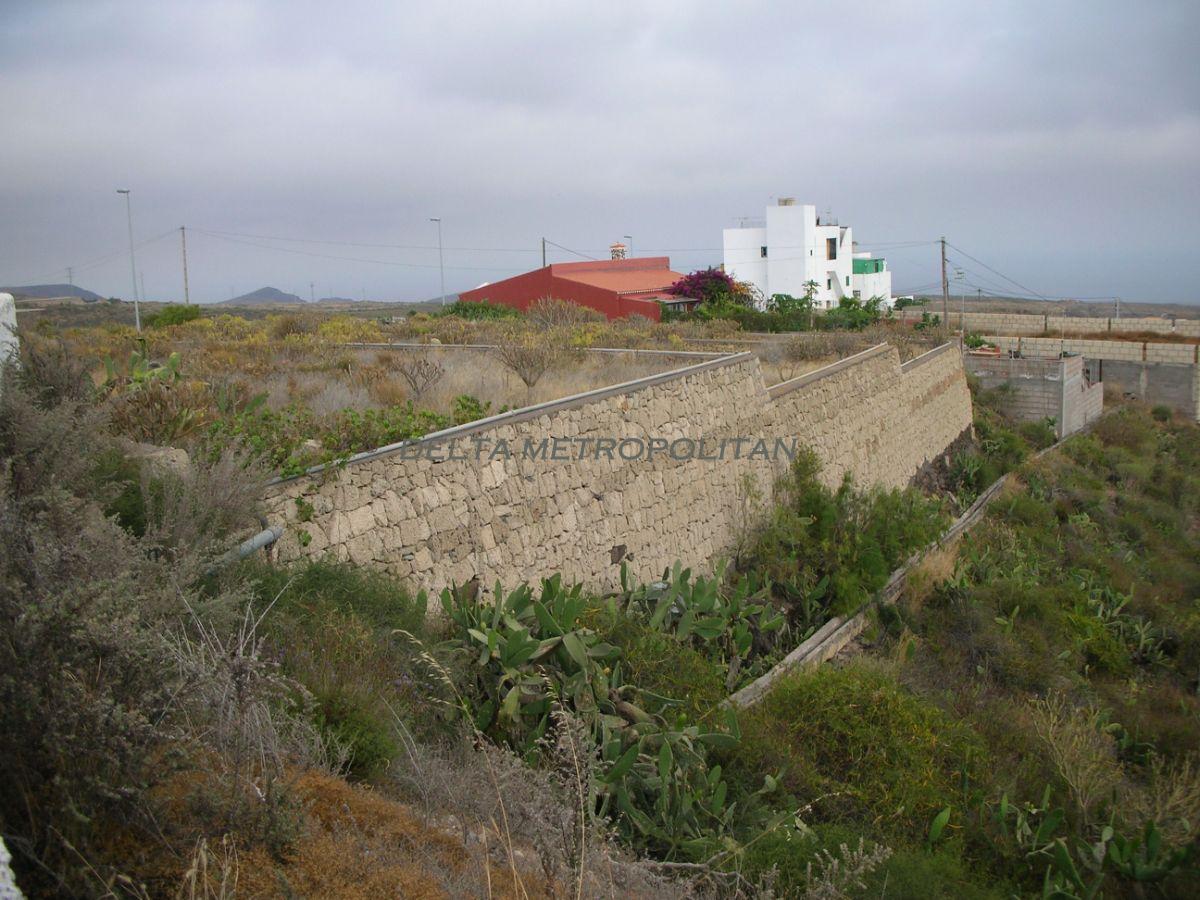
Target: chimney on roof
{"type": "Point", "coordinates": [617, 250]}
{"type": "Point", "coordinates": [787, 201]}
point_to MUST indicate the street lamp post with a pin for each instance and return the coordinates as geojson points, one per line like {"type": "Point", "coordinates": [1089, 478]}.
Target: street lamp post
{"type": "Point", "coordinates": [629, 237]}
{"type": "Point", "coordinates": [137, 312]}
{"type": "Point", "coordinates": [441, 263]}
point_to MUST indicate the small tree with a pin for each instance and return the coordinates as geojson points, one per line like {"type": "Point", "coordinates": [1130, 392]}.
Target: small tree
{"type": "Point", "coordinates": [550, 312]}
{"type": "Point", "coordinates": [527, 354]}
{"type": "Point", "coordinates": [853, 314]}
{"type": "Point", "coordinates": [419, 372]}
{"type": "Point", "coordinates": [711, 286]}
{"type": "Point", "coordinates": [810, 294]}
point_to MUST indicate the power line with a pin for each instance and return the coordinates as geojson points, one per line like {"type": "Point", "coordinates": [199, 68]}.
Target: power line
{"type": "Point", "coordinates": [99, 260]}
{"type": "Point", "coordinates": [1001, 274]}
{"type": "Point", "coordinates": [569, 250]}
{"type": "Point", "coordinates": [273, 237]}
{"type": "Point", "coordinates": [359, 259]}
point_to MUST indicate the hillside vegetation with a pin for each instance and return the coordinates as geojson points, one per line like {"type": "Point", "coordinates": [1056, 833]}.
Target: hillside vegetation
{"type": "Point", "coordinates": [1024, 721]}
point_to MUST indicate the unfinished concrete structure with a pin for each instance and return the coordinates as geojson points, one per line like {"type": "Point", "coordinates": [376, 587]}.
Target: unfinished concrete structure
{"type": "Point", "coordinates": [1041, 388]}
{"type": "Point", "coordinates": [1154, 372]}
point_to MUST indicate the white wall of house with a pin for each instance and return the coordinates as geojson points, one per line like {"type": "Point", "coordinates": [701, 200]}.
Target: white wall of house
{"type": "Point", "coordinates": [797, 252]}
{"type": "Point", "coordinates": [743, 256]}
{"type": "Point", "coordinates": [873, 284]}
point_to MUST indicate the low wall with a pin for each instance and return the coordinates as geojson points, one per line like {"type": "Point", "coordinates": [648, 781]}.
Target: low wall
{"type": "Point", "coordinates": [433, 515]}
{"type": "Point", "coordinates": [1026, 324]}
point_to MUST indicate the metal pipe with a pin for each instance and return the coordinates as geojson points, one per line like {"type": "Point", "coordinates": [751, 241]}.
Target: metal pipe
{"type": "Point", "coordinates": [264, 538]}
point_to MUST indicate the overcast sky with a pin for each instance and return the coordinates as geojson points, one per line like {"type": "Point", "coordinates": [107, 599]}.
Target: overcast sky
{"type": "Point", "coordinates": [1058, 142]}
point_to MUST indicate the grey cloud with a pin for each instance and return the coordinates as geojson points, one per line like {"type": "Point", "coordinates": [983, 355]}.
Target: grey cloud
{"type": "Point", "coordinates": [1011, 127]}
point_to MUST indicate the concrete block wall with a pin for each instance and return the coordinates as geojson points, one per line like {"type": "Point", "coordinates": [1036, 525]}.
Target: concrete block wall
{"type": "Point", "coordinates": [1156, 372]}
{"type": "Point", "coordinates": [1077, 324]}
{"type": "Point", "coordinates": [1037, 384]}
{"type": "Point", "coordinates": [1026, 324]}
{"type": "Point", "coordinates": [432, 517]}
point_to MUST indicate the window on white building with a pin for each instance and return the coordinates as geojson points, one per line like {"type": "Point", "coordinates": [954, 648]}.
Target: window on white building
{"type": "Point", "coordinates": [831, 248]}
{"type": "Point", "coordinates": [829, 284]}
{"type": "Point", "coordinates": [762, 252]}
{"type": "Point", "coordinates": [847, 281]}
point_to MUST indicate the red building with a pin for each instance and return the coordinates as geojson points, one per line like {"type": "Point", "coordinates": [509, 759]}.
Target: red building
{"type": "Point", "coordinates": [615, 287]}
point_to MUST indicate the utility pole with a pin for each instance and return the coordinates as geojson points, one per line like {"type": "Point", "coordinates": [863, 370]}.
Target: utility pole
{"type": "Point", "coordinates": [629, 237]}
{"type": "Point", "coordinates": [137, 312]}
{"type": "Point", "coordinates": [187, 299]}
{"type": "Point", "coordinates": [71, 276]}
{"type": "Point", "coordinates": [959, 275]}
{"type": "Point", "coordinates": [543, 253]}
{"type": "Point", "coordinates": [441, 264]}
{"type": "Point", "coordinates": [945, 288]}
{"type": "Point", "coordinates": [1118, 299]}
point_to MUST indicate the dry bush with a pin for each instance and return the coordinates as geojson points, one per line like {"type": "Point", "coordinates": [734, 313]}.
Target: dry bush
{"type": "Point", "coordinates": [388, 392]}
{"type": "Point", "coordinates": [241, 709]}
{"type": "Point", "coordinates": [834, 877]}
{"type": "Point", "coordinates": [1170, 797]}
{"type": "Point", "coordinates": [100, 705]}
{"type": "Point", "coordinates": [280, 327]}
{"type": "Point", "coordinates": [451, 330]}
{"type": "Point", "coordinates": [419, 372]}
{"type": "Point", "coordinates": [846, 343]}
{"type": "Point", "coordinates": [811, 346]}
{"type": "Point", "coordinates": [192, 515]}
{"type": "Point", "coordinates": [53, 372]}
{"type": "Point", "coordinates": [553, 313]}
{"type": "Point", "coordinates": [789, 357]}
{"type": "Point", "coordinates": [488, 795]}
{"type": "Point", "coordinates": [162, 412]}
{"type": "Point", "coordinates": [527, 355]}
{"type": "Point", "coordinates": [1083, 753]}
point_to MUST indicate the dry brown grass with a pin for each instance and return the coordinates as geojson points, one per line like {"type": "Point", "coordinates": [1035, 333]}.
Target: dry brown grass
{"type": "Point", "coordinates": [1137, 337]}
{"type": "Point", "coordinates": [353, 843]}
{"type": "Point", "coordinates": [935, 567]}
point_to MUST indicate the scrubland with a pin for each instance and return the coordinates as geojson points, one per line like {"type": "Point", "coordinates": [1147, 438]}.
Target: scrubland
{"type": "Point", "coordinates": [1024, 721]}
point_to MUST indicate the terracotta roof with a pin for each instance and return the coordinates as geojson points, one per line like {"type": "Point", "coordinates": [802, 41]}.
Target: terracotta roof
{"type": "Point", "coordinates": [636, 281]}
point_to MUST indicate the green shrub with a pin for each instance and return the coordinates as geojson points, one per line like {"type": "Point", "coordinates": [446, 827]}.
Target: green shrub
{"type": "Point", "coordinates": [1039, 435]}
{"type": "Point", "coordinates": [1162, 413]}
{"type": "Point", "coordinates": [119, 481]}
{"type": "Point", "coordinates": [831, 550]}
{"type": "Point", "coordinates": [336, 630]}
{"type": "Point", "coordinates": [663, 667]}
{"type": "Point", "coordinates": [368, 740]}
{"type": "Point", "coordinates": [173, 314]}
{"type": "Point", "coordinates": [863, 748]}
{"type": "Point", "coordinates": [465, 309]}
{"type": "Point", "coordinates": [308, 590]}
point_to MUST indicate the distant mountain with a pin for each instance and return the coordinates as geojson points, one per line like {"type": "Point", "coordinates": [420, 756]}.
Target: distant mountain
{"type": "Point", "coordinates": [264, 296]}
{"type": "Point", "coordinates": [51, 291]}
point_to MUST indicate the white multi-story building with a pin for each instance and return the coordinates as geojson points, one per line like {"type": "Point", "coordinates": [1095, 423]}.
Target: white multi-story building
{"type": "Point", "coordinates": [793, 247]}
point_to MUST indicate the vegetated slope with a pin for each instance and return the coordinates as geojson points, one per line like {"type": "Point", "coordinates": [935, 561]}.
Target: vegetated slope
{"type": "Point", "coordinates": [1028, 714]}
{"type": "Point", "coordinates": [48, 291]}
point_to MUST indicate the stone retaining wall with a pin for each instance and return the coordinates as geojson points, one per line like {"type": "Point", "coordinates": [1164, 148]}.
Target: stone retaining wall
{"type": "Point", "coordinates": [433, 515]}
